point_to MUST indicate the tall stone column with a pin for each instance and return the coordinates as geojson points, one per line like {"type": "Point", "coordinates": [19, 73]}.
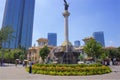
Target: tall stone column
{"type": "Point", "coordinates": [66, 29]}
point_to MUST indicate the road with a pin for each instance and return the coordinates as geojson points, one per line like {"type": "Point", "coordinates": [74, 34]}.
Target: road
{"type": "Point", "coordinates": [12, 72]}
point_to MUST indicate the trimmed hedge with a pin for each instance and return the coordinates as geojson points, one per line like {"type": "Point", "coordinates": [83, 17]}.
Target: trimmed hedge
{"type": "Point", "coordinates": [67, 70]}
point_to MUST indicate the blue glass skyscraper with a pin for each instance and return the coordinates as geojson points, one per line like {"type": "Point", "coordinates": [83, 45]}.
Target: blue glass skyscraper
{"type": "Point", "coordinates": [19, 14]}
{"type": "Point", "coordinates": [77, 43]}
{"type": "Point", "coordinates": [52, 39]}
{"type": "Point", "coordinates": [99, 37]}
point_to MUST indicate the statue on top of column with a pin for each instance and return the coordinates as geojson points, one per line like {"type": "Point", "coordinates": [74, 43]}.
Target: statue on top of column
{"type": "Point", "coordinates": [66, 5]}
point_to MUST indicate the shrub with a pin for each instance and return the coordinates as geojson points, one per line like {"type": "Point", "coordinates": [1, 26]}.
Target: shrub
{"type": "Point", "coordinates": [71, 69]}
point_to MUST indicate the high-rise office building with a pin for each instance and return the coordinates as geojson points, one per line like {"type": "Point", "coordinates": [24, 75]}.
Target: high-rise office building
{"type": "Point", "coordinates": [99, 37]}
{"type": "Point", "coordinates": [19, 14]}
{"type": "Point", "coordinates": [52, 39]}
{"type": "Point", "coordinates": [77, 43]}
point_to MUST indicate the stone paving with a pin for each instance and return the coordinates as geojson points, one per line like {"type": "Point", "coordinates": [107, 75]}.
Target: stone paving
{"type": "Point", "coordinates": [12, 72]}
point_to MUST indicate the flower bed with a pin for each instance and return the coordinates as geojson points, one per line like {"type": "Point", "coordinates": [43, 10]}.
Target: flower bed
{"type": "Point", "coordinates": [67, 70]}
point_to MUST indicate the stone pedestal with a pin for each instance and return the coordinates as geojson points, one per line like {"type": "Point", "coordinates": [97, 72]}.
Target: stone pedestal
{"type": "Point", "coordinates": [67, 57]}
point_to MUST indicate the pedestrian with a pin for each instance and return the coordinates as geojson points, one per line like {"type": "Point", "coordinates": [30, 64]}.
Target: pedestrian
{"type": "Point", "coordinates": [1, 63]}
{"type": "Point", "coordinates": [23, 63]}
{"type": "Point", "coordinates": [30, 67]}
{"type": "Point", "coordinates": [105, 63]}
{"type": "Point", "coordinates": [114, 61]}
{"type": "Point", "coordinates": [111, 62]}
{"type": "Point", "coordinates": [15, 62]}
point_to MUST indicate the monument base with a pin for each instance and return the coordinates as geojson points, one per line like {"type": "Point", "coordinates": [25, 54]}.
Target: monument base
{"type": "Point", "coordinates": [67, 57]}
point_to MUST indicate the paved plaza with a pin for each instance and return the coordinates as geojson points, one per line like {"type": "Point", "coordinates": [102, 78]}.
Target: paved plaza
{"type": "Point", "coordinates": [12, 72]}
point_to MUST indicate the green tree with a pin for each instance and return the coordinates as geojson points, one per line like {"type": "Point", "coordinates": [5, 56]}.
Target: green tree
{"type": "Point", "coordinates": [44, 52]}
{"type": "Point", "coordinates": [12, 55]}
{"type": "Point", "coordinates": [93, 49]}
{"type": "Point", "coordinates": [81, 57]}
{"type": "Point", "coordinates": [104, 55]}
{"type": "Point", "coordinates": [17, 53]}
{"type": "Point", "coordinates": [24, 52]}
{"type": "Point", "coordinates": [6, 34]}
{"type": "Point", "coordinates": [118, 52]}
{"type": "Point", "coordinates": [113, 52]}
{"type": "Point", "coordinates": [22, 57]}
{"type": "Point", "coordinates": [7, 55]}
{"type": "Point", "coordinates": [118, 49]}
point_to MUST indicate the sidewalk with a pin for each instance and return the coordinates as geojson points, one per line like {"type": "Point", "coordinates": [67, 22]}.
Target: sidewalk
{"type": "Point", "coordinates": [18, 73]}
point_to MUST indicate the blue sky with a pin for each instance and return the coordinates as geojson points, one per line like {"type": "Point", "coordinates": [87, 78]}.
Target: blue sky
{"type": "Point", "coordinates": [87, 16]}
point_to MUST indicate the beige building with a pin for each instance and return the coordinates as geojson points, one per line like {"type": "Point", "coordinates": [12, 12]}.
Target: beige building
{"type": "Point", "coordinates": [33, 52]}
{"type": "Point", "coordinates": [87, 39]}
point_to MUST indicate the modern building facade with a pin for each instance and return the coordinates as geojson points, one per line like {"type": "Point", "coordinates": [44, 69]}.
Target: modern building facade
{"type": "Point", "coordinates": [52, 39]}
{"type": "Point", "coordinates": [77, 43]}
{"type": "Point", "coordinates": [99, 37]}
{"type": "Point", "coordinates": [19, 14]}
